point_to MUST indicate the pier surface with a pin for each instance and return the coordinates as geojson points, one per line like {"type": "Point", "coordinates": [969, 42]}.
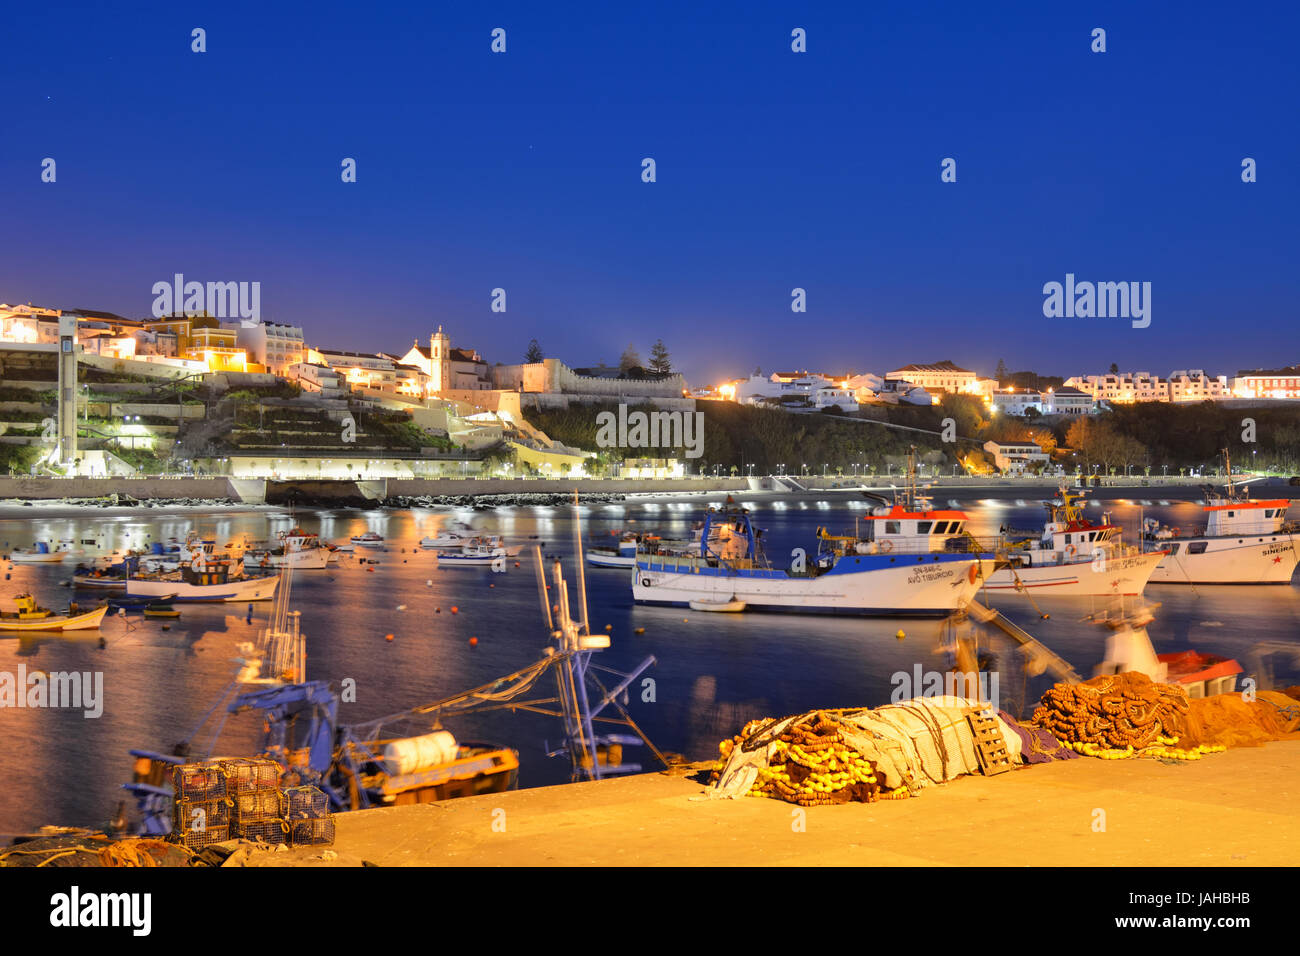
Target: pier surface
{"type": "Point", "coordinates": [1237, 808]}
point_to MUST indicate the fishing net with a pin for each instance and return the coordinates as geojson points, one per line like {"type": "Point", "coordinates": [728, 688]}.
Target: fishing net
{"type": "Point", "coordinates": [841, 756]}
{"type": "Point", "coordinates": [1118, 711]}
{"type": "Point", "coordinates": [1226, 720]}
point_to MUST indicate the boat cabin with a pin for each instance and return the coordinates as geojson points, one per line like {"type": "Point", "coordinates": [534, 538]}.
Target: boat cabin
{"type": "Point", "coordinates": [899, 529]}
{"type": "Point", "coordinates": [1240, 516]}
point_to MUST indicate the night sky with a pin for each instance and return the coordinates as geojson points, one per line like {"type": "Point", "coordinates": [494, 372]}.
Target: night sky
{"type": "Point", "coordinates": [819, 170]}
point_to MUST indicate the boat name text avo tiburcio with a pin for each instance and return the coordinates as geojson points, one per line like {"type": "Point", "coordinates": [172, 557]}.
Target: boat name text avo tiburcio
{"type": "Point", "coordinates": [893, 571]}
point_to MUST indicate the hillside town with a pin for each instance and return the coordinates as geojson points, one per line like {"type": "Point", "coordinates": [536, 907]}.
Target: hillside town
{"type": "Point", "coordinates": [192, 393]}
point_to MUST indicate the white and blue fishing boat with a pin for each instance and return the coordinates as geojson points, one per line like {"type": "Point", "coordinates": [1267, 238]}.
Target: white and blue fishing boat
{"type": "Point", "coordinates": [892, 572]}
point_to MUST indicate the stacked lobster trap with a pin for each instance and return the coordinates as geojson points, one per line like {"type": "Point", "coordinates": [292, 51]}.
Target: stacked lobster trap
{"type": "Point", "coordinates": [201, 814]}
{"type": "Point", "coordinates": [310, 820]}
{"type": "Point", "coordinates": [241, 799]}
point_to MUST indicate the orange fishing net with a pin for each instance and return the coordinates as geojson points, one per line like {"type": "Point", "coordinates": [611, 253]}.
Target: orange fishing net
{"type": "Point", "coordinates": [1227, 720]}
{"type": "Point", "coordinates": [1119, 710]}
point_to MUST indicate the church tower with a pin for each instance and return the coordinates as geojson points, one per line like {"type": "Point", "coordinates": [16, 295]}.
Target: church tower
{"type": "Point", "coordinates": [439, 361]}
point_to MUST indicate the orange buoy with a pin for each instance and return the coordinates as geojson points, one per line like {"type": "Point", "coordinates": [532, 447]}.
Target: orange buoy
{"type": "Point", "coordinates": [516, 564]}
{"type": "Point", "coordinates": [491, 585]}
{"type": "Point", "coordinates": [388, 637]}
{"type": "Point", "coordinates": [639, 630]}
{"type": "Point", "coordinates": [473, 642]}
{"type": "Point", "coordinates": [455, 609]}
{"type": "Point", "coordinates": [609, 627]}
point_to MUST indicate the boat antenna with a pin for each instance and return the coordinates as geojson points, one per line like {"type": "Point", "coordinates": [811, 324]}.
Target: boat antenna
{"type": "Point", "coordinates": [541, 588]}
{"type": "Point", "coordinates": [582, 579]}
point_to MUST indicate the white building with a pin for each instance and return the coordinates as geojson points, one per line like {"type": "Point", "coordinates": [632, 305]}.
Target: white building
{"type": "Point", "coordinates": [941, 376]}
{"type": "Point", "coordinates": [271, 344]}
{"type": "Point", "coordinates": [1015, 457]}
{"type": "Point", "coordinates": [1016, 401]}
{"type": "Point", "coordinates": [320, 379]}
{"type": "Point", "coordinates": [845, 399]}
{"type": "Point", "coordinates": [1195, 386]}
{"type": "Point", "coordinates": [779, 385]}
{"type": "Point", "coordinates": [1068, 401]}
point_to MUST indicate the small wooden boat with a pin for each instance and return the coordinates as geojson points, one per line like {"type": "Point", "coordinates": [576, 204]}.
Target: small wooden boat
{"type": "Point", "coordinates": [160, 610]}
{"type": "Point", "coordinates": [730, 607]}
{"type": "Point", "coordinates": [32, 617]}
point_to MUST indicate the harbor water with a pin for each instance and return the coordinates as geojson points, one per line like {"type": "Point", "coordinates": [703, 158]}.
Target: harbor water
{"type": "Point", "coordinates": [714, 672]}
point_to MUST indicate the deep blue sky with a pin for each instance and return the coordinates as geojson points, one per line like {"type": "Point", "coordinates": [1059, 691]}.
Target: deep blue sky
{"type": "Point", "coordinates": [775, 170]}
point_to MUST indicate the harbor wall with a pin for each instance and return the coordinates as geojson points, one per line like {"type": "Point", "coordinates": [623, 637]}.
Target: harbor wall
{"type": "Point", "coordinates": [45, 489]}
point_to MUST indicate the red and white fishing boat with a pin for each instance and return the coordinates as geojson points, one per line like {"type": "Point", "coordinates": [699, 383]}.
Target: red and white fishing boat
{"type": "Point", "coordinates": [1074, 557]}
{"type": "Point", "coordinates": [1243, 542]}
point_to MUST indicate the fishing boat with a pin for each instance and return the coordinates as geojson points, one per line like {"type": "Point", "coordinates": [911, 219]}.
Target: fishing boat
{"type": "Point", "coordinates": [892, 571]}
{"type": "Point", "coordinates": [42, 553]}
{"type": "Point", "coordinates": [122, 602]}
{"type": "Point", "coordinates": [478, 552]}
{"type": "Point", "coordinates": [1243, 541]}
{"type": "Point", "coordinates": [368, 540]}
{"type": "Point", "coordinates": [623, 555]}
{"type": "Point", "coordinates": [1073, 557]}
{"type": "Point", "coordinates": [112, 578]}
{"type": "Point", "coordinates": [32, 617]}
{"type": "Point", "coordinates": [447, 539]}
{"type": "Point", "coordinates": [160, 609]}
{"type": "Point", "coordinates": [296, 548]}
{"type": "Point", "coordinates": [205, 576]}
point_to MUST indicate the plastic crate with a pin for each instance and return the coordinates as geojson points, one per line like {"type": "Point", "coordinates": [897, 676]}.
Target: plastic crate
{"type": "Point", "coordinates": [198, 782]}
{"type": "Point", "coordinates": [307, 802]}
{"type": "Point", "coordinates": [316, 831]}
{"type": "Point", "coordinates": [245, 774]}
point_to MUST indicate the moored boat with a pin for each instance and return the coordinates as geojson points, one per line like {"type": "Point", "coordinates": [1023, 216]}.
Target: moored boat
{"type": "Point", "coordinates": [42, 553]}
{"type": "Point", "coordinates": [368, 540]}
{"type": "Point", "coordinates": [886, 573]}
{"type": "Point", "coordinates": [296, 548]}
{"type": "Point", "coordinates": [204, 576]}
{"type": "Point", "coordinates": [476, 553]}
{"type": "Point", "coordinates": [1073, 557]}
{"type": "Point", "coordinates": [30, 616]}
{"type": "Point", "coordinates": [1243, 541]}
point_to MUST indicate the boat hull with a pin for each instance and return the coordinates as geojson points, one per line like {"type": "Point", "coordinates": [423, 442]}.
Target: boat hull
{"type": "Point", "coordinates": [241, 589]}
{"type": "Point", "coordinates": [56, 557]}
{"type": "Point", "coordinates": [874, 585]}
{"type": "Point", "coordinates": [599, 560]}
{"type": "Point", "coordinates": [1244, 559]}
{"type": "Point", "coordinates": [1127, 575]}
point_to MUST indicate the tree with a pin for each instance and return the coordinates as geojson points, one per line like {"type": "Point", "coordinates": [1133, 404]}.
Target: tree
{"type": "Point", "coordinates": [1001, 373]}
{"type": "Point", "coordinates": [660, 362]}
{"type": "Point", "coordinates": [534, 353]}
{"type": "Point", "coordinates": [630, 359]}
{"type": "Point", "coordinates": [1114, 369]}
